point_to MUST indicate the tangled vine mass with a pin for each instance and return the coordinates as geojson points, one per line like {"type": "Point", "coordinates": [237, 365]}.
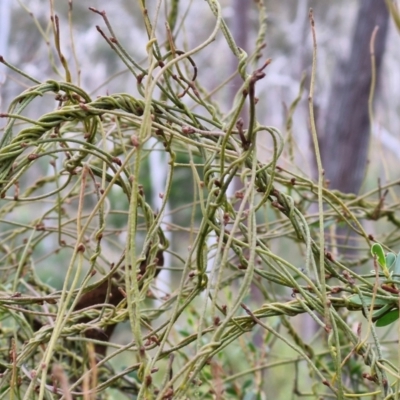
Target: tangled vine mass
{"type": "Point", "coordinates": [74, 204]}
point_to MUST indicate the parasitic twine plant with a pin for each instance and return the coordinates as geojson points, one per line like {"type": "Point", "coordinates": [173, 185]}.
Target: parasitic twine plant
{"type": "Point", "coordinates": [74, 204]}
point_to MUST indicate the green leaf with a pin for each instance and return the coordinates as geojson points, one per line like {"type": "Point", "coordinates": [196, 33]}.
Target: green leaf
{"type": "Point", "coordinates": [184, 332]}
{"type": "Point", "coordinates": [355, 299]}
{"type": "Point", "coordinates": [390, 260]}
{"type": "Point", "coordinates": [377, 250]}
{"type": "Point", "coordinates": [247, 384]}
{"type": "Point", "coordinates": [378, 314]}
{"type": "Point", "coordinates": [252, 347]}
{"type": "Point", "coordinates": [231, 390]}
{"type": "Point", "coordinates": [388, 319]}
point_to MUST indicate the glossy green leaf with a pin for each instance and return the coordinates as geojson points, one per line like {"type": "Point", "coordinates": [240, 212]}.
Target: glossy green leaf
{"type": "Point", "coordinates": [377, 250]}
{"type": "Point", "coordinates": [388, 318]}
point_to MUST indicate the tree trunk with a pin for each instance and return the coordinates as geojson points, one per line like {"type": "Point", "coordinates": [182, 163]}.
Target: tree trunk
{"type": "Point", "coordinates": [346, 128]}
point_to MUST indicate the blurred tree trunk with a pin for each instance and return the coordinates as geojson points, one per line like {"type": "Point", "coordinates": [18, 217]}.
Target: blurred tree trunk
{"type": "Point", "coordinates": [345, 140]}
{"type": "Point", "coordinates": [346, 127]}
